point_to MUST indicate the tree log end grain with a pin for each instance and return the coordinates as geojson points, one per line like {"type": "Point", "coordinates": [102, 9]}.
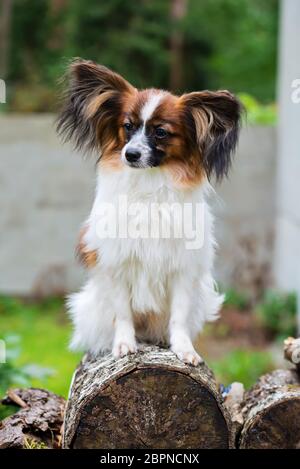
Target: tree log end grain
{"type": "Point", "coordinates": [272, 412]}
{"type": "Point", "coordinates": [146, 400]}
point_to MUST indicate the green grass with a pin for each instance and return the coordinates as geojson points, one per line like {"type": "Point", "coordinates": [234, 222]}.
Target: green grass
{"type": "Point", "coordinates": [44, 331]}
{"type": "Point", "coordinates": [278, 314]}
{"type": "Point", "coordinates": [245, 366]}
{"type": "Point", "coordinates": [236, 299]}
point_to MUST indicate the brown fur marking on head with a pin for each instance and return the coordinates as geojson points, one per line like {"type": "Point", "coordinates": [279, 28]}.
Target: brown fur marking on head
{"type": "Point", "coordinates": [92, 105]}
{"type": "Point", "coordinates": [202, 127]}
{"type": "Point", "coordinates": [216, 117]}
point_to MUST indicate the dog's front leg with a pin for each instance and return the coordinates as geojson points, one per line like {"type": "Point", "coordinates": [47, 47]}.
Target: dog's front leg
{"type": "Point", "coordinates": [124, 335]}
{"type": "Point", "coordinates": [179, 331]}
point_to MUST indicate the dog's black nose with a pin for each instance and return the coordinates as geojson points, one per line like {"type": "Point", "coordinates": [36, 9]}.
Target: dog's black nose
{"type": "Point", "coordinates": [132, 155]}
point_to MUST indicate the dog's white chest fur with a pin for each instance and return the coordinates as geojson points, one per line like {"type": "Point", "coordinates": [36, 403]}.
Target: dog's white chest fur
{"type": "Point", "coordinates": [141, 237]}
{"type": "Point", "coordinates": [142, 261]}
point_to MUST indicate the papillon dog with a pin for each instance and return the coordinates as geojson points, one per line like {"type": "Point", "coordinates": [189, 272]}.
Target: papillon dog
{"type": "Point", "coordinates": [147, 281]}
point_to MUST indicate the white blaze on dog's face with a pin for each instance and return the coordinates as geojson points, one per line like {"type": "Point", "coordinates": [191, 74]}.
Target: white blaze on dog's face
{"type": "Point", "coordinates": [141, 150]}
{"type": "Point", "coordinates": [192, 136]}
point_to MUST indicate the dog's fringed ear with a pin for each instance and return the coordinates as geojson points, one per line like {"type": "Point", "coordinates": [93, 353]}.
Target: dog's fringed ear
{"type": "Point", "coordinates": [92, 104]}
{"type": "Point", "coordinates": [216, 117]}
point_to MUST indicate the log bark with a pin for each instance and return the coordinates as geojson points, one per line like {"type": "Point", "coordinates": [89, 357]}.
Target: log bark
{"type": "Point", "coordinates": [271, 411]}
{"type": "Point", "coordinates": [233, 401]}
{"type": "Point", "coordinates": [39, 422]}
{"type": "Point", "coordinates": [146, 400]}
{"type": "Point", "coordinates": [292, 351]}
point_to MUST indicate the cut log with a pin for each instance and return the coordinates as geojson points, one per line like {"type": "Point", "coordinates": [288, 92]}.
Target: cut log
{"type": "Point", "coordinates": [292, 351]}
{"type": "Point", "coordinates": [37, 424]}
{"type": "Point", "coordinates": [271, 411]}
{"type": "Point", "coordinates": [233, 401]}
{"type": "Point", "coordinates": [146, 400]}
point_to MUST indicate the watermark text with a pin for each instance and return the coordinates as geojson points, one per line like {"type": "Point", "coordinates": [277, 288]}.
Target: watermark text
{"type": "Point", "coordinates": [153, 220]}
{"type": "Point", "coordinates": [295, 96]}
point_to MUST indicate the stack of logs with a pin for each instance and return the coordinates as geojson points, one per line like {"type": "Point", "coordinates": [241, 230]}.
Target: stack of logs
{"type": "Point", "coordinates": [153, 400]}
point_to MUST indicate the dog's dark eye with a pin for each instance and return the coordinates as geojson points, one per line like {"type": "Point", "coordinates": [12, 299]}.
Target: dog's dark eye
{"type": "Point", "coordinates": [128, 126]}
{"type": "Point", "coordinates": [160, 132]}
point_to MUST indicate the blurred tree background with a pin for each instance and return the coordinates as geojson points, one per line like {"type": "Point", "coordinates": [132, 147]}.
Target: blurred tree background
{"type": "Point", "coordinates": [178, 44]}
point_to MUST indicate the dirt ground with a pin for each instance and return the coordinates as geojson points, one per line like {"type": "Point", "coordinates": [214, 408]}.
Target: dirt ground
{"type": "Point", "coordinates": [236, 329]}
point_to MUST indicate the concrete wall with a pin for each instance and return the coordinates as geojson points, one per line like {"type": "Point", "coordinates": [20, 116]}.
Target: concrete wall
{"type": "Point", "coordinates": [287, 259]}
{"type": "Point", "coordinates": [46, 193]}
{"type": "Point", "coordinates": [245, 215]}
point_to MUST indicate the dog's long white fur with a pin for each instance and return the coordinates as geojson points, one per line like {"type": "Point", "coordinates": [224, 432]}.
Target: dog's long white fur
{"type": "Point", "coordinates": [160, 281]}
{"type": "Point", "coordinates": [137, 277]}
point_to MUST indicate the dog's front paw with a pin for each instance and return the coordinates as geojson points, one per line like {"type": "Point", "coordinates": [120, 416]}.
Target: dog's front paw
{"type": "Point", "coordinates": [122, 348]}
{"type": "Point", "coordinates": [191, 357]}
